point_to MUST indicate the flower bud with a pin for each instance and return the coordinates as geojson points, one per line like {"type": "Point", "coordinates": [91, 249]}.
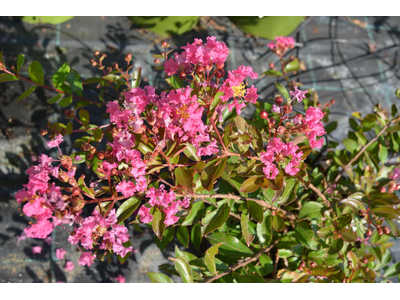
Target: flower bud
{"type": "Point", "coordinates": [77, 204]}
{"type": "Point", "coordinates": [90, 156]}
{"type": "Point", "coordinates": [382, 189]}
{"type": "Point", "coordinates": [113, 172]}
{"type": "Point", "coordinates": [386, 230]}
{"type": "Point", "coordinates": [333, 101]}
{"type": "Point", "coordinates": [287, 109]}
{"type": "Point", "coordinates": [220, 73]}
{"type": "Point", "coordinates": [115, 65]}
{"type": "Point", "coordinates": [76, 192]}
{"type": "Point", "coordinates": [200, 71]}
{"type": "Point", "coordinates": [157, 61]}
{"type": "Point", "coordinates": [182, 75]}
{"type": "Point", "coordinates": [380, 231]}
{"type": "Point", "coordinates": [66, 162]}
{"type": "Point", "coordinates": [189, 70]}
{"type": "Point", "coordinates": [271, 65]}
{"type": "Point", "coordinates": [278, 100]}
{"type": "Point", "coordinates": [100, 155]}
{"type": "Point", "coordinates": [263, 114]}
{"type": "Point", "coordinates": [164, 44]}
{"type": "Point", "coordinates": [93, 62]}
{"type": "Point", "coordinates": [365, 260]}
{"type": "Point", "coordinates": [369, 232]}
{"type": "Point", "coordinates": [128, 58]}
{"type": "Point", "coordinates": [63, 176]}
{"type": "Point", "coordinates": [43, 132]}
{"type": "Point", "coordinates": [312, 264]}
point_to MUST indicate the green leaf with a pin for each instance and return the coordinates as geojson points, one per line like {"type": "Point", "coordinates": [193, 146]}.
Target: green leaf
{"type": "Point", "coordinates": [293, 65]}
{"type": "Point", "coordinates": [158, 223]}
{"type": "Point", "coordinates": [304, 233]}
{"type": "Point", "coordinates": [383, 153]}
{"type": "Point", "coordinates": [186, 255]}
{"type": "Point", "coordinates": [350, 145]}
{"type": "Point", "coordinates": [175, 82]}
{"type": "Point", "coordinates": [266, 263]}
{"type": "Point", "coordinates": [75, 82]}
{"type": "Point", "coordinates": [384, 198]}
{"type": "Point", "coordinates": [348, 235]}
{"type": "Point", "coordinates": [36, 72]}
{"type": "Point", "coordinates": [45, 19]}
{"type": "Point", "coordinates": [278, 223]}
{"type": "Point", "coordinates": [311, 209]}
{"type": "Point", "coordinates": [273, 73]}
{"type": "Point", "coordinates": [136, 77]}
{"type": "Point", "coordinates": [196, 213]}
{"type": "Point", "coordinates": [387, 212]}
{"type": "Point", "coordinates": [7, 77]}
{"type": "Point", "coordinates": [20, 62]}
{"type": "Point", "coordinates": [184, 178]}
{"type": "Point", "coordinates": [369, 122]}
{"type": "Point", "coordinates": [127, 208]}
{"type": "Point", "coordinates": [395, 128]}
{"type": "Point", "coordinates": [256, 211]}
{"type": "Point", "coordinates": [219, 218]}
{"type": "Point", "coordinates": [61, 75]}
{"type": "Point", "coordinates": [184, 269]}
{"type": "Point", "coordinates": [250, 185]}
{"type": "Point", "coordinates": [264, 229]}
{"type": "Point", "coordinates": [27, 93]}
{"type": "Point", "coordinates": [182, 235]}
{"type": "Point", "coordinates": [66, 101]}
{"type": "Point", "coordinates": [268, 27]}
{"type": "Point", "coordinates": [282, 90]}
{"type": "Point", "coordinates": [368, 274]}
{"type": "Point", "coordinates": [231, 246]}
{"type": "Point", "coordinates": [54, 99]}
{"type": "Point", "coordinates": [353, 258]}
{"type": "Point", "coordinates": [290, 189]}
{"type": "Point", "coordinates": [84, 117]}
{"type": "Point", "coordinates": [190, 152]}
{"type": "Point", "coordinates": [167, 237]}
{"type": "Point", "coordinates": [195, 236]}
{"type": "Point", "coordinates": [393, 270]}
{"type": "Point", "coordinates": [209, 258]}
{"type": "Point", "coordinates": [211, 172]}
{"type": "Point", "coordinates": [244, 223]}
{"type": "Point", "coordinates": [159, 277]}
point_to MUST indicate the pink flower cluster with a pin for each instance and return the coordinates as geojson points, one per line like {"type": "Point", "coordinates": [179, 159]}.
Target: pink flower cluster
{"type": "Point", "coordinates": [281, 44]}
{"type": "Point", "coordinates": [297, 94]}
{"type": "Point", "coordinates": [233, 87]}
{"type": "Point", "coordinates": [197, 53]}
{"type": "Point", "coordinates": [42, 198]}
{"type": "Point", "coordinates": [314, 126]}
{"type": "Point", "coordinates": [164, 201]}
{"type": "Point", "coordinates": [279, 152]}
{"type": "Point", "coordinates": [97, 227]}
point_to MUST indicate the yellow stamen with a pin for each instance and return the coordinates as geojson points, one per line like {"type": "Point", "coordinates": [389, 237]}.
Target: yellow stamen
{"type": "Point", "coordinates": [238, 91]}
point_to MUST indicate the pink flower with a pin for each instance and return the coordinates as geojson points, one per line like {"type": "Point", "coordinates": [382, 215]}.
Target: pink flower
{"type": "Point", "coordinates": [171, 66]}
{"type": "Point", "coordinates": [55, 142]}
{"type": "Point", "coordinates": [36, 250]}
{"type": "Point", "coordinates": [145, 216]}
{"type": "Point", "coordinates": [396, 174]}
{"type": "Point", "coordinates": [314, 126]}
{"type": "Point", "coordinates": [298, 94]}
{"type": "Point", "coordinates": [120, 278]}
{"type": "Point", "coordinates": [275, 108]}
{"type": "Point", "coordinates": [281, 44]}
{"type": "Point", "coordinates": [40, 230]}
{"type": "Point", "coordinates": [86, 259]}
{"type": "Point", "coordinates": [127, 188]}
{"type": "Point", "coordinates": [69, 266]}
{"type": "Point", "coordinates": [60, 253]}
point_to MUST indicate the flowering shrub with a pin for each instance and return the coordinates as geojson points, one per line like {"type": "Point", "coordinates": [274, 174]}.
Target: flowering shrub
{"type": "Point", "coordinates": [267, 199]}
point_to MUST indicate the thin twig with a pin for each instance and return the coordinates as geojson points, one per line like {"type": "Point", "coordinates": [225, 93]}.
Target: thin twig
{"type": "Point", "coordinates": [319, 193]}
{"type": "Point", "coordinates": [243, 262]}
